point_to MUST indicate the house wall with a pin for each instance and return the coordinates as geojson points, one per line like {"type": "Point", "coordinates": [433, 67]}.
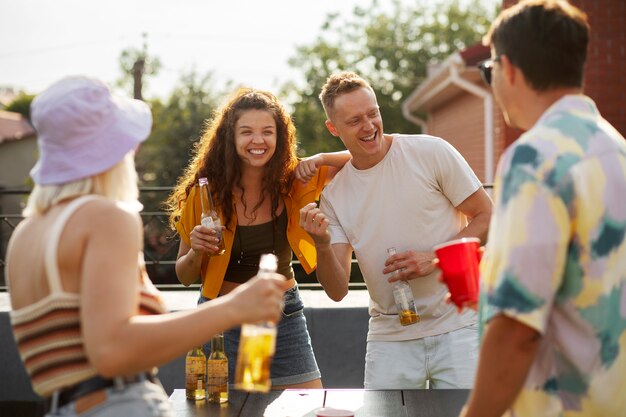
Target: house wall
{"type": "Point", "coordinates": [606, 58]}
{"type": "Point", "coordinates": [461, 122]}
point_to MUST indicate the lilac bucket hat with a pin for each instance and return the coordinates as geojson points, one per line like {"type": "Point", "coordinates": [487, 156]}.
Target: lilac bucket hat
{"type": "Point", "coordinates": [83, 129]}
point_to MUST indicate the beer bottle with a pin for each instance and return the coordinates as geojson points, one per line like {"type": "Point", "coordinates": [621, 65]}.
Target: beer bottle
{"type": "Point", "coordinates": [209, 217]}
{"type": "Point", "coordinates": [403, 296]}
{"type": "Point", "coordinates": [257, 345]}
{"type": "Point", "coordinates": [195, 374]}
{"type": "Point", "coordinates": [217, 371]}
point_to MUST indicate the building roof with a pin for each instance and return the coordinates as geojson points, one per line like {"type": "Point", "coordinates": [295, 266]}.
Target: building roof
{"type": "Point", "coordinates": [14, 126]}
{"type": "Point", "coordinates": [439, 86]}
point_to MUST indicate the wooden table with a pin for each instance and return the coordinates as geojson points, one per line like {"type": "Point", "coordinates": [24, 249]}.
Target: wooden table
{"type": "Point", "coordinates": [303, 403]}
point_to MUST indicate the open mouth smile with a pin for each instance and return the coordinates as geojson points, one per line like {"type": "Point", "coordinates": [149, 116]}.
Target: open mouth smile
{"type": "Point", "coordinates": [369, 138]}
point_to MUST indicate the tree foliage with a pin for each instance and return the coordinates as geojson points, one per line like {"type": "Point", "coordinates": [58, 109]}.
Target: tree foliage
{"type": "Point", "coordinates": [391, 47]}
{"type": "Point", "coordinates": [21, 104]}
{"type": "Point", "coordinates": [135, 64]}
{"type": "Point", "coordinates": [177, 125]}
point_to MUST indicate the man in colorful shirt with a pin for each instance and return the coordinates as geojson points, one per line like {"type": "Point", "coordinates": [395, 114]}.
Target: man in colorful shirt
{"type": "Point", "coordinates": [553, 302]}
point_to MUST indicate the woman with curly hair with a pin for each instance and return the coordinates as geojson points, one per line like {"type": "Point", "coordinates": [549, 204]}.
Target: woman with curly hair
{"type": "Point", "coordinates": [248, 155]}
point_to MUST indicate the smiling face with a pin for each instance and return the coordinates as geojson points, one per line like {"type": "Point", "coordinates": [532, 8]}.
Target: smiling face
{"type": "Point", "coordinates": [355, 118]}
{"type": "Point", "coordinates": [255, 138]}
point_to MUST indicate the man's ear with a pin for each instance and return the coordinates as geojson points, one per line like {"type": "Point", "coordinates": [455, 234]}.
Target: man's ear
{"type": "Point", "coordinates": [331, 128]}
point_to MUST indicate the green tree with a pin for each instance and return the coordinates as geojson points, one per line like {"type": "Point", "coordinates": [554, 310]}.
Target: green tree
{"type": "Point", "coordinates": [135, 65]}
{"type": "Point", "coordinates": [21, 104]}
{"type": "Point", "coordinates": [391, 47]}
{"type": "Point", "coordinates": [177, 125]}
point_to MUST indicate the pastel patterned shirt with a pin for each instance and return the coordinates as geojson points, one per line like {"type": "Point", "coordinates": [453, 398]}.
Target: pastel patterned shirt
{"type": "Point", "coordinates": [556, 259]}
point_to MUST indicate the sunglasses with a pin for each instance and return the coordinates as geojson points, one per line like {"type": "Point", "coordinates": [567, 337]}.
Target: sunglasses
{"type": "Point", "coordinates": [485, 68]}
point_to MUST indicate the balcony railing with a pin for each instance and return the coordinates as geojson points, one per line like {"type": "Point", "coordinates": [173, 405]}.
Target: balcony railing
{"type": "Point", "coordinates": [160, 242]}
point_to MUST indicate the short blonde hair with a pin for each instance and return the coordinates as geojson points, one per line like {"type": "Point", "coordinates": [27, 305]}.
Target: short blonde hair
{"type": "Point", "coordinates": [338, 84]}
{"type": "Point", "coordinates": [118, 183]}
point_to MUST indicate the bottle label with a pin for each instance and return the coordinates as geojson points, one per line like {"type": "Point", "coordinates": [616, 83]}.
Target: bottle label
{"type": "Point", "coordinates": [217, 375]}
{"type": "Point", "coordinates": [194, 371]}
{"type": "Point", "coordinates": [208, 222]}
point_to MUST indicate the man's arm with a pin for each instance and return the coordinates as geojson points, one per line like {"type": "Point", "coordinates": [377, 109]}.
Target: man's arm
{"type": "Point", "coordinates": [333, 261]}
{"type": "Point", "coordinates": [414, 264]}
{"type": "Point", "coordinates": [477, 208]}
{"type": "Point", "coordinates": [506, 354]}
{"type": "Point", "coordinates": [306, 168]}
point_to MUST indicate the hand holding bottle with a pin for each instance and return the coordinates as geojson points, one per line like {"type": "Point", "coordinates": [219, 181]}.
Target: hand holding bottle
{"type": "Point", "coordinates": [403, 295]}
{"type": "Point", "coordinates": [208, 236]}
{"type": "Point", "coordinates": [409, 265]}
{"type": "Point", "coordinates": [205, 240]}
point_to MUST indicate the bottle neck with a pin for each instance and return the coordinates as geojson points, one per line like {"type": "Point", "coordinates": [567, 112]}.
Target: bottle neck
{"type": "Point", "coordinates": [217, 343]}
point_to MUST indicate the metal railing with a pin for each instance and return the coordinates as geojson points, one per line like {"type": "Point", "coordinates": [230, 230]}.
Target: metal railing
{"type": "Point", "coordinates": [160, 243]}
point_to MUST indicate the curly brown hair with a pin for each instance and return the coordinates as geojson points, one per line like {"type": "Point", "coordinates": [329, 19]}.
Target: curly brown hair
{"type": "Point", "coordinates": [215, 157]}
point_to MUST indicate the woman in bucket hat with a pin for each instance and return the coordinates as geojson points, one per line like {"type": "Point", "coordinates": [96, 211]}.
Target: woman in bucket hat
{"type": "Point", "coordinates": [248, 155]}
{"type": "Point", "coordinates": [89, 325]}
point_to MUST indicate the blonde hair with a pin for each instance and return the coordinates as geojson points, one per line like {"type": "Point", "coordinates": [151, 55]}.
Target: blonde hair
{"type": "Point", "coordinates": [118, 183]}
{"type": "Point", "coordinates": [338, 84]}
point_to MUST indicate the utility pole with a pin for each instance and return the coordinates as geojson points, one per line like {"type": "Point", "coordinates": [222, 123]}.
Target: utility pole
{"type": "Point", "coordinates": [139, 69]}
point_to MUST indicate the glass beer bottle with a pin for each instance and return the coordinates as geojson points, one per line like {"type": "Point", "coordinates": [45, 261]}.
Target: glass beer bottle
{"type": "Point", "coordinates": [209, 217]}
{"type": "Point", "coordinates": [195, 374]}
{"type": "Point", "coordinates": [403, 297]}
{"type": "Point", "coordinates": [217, 372]}
{"type": "Point", "coordinates": [257, 345]}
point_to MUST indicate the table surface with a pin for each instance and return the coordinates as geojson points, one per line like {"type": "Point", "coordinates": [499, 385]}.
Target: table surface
{"type": "Point", "coordinates": [303, 403]}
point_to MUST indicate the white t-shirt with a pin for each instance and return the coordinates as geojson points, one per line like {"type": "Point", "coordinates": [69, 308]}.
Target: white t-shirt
{"type": "Point", "coordinates": [406, 201]}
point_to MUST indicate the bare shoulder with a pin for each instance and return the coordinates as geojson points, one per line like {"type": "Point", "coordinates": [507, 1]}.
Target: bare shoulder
{"type": "Point", "coordinates": [107, 216]}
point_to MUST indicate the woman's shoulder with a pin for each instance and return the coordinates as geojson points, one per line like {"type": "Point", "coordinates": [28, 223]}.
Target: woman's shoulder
{"type": "Point", "coordinates": [109, 216]}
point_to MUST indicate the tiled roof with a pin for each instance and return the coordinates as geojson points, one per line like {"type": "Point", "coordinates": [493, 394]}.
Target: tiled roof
{"type": "Point", "coordinates": [14, 126]}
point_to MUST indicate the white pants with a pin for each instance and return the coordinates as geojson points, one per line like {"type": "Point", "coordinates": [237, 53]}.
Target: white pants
{"type": "Point", "coordinates": [444, 361]}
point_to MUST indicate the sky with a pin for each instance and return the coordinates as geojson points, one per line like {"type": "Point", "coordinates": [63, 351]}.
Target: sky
{"type": "Point", "coordinates": [246, 41]}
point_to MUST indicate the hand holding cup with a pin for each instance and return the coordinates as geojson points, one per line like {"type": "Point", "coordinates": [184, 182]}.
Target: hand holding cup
{"type": "Point", "coordinates": [458, 260]}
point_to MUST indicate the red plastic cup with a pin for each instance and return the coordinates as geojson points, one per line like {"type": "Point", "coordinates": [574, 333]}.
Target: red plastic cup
{"type": "Point", "coordinates": [458, 261]}
{"type": "Point", "coordinates": [333, 412]}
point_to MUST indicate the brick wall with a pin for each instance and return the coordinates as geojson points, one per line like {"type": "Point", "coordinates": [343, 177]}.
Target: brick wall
{"type": "Point", "coordinates": [461, 122]}
{"type": "Point", "coordinates": [606, 59]}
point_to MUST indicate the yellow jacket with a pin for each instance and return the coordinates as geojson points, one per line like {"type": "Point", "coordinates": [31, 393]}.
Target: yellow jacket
{"type": "Point", "coordinates": [214, 267]}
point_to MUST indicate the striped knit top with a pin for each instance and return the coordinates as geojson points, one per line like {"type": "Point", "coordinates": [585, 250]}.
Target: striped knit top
{"type": "Point", "coordinates": [48, 332]}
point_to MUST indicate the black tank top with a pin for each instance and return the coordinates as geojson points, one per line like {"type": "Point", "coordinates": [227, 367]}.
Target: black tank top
{"type": "Point", "coordinates": [250, 242]}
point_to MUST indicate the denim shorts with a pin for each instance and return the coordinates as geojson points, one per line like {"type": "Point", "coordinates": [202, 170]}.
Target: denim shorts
{"type": "Point", "coordinates": [139, 399]}
{"type": "Point", "coordinates": [294, 361]}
